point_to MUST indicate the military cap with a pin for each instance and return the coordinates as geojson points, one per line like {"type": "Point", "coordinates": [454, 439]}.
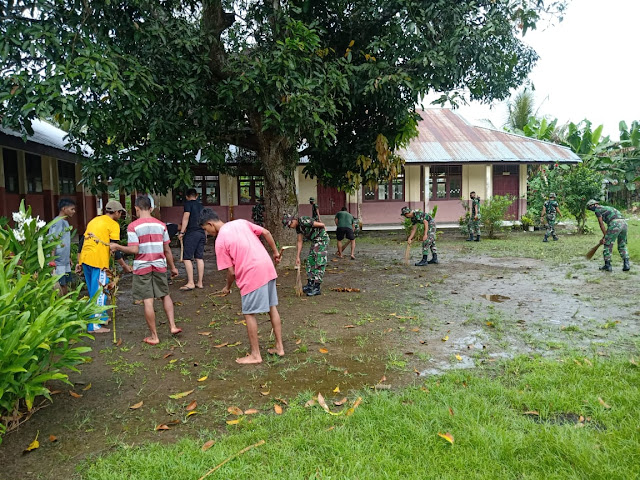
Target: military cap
{"type": "Point", "coordinates": [404, 211]}
{"type": "Point", "coordinates": [592, 202]}
{"type": "Point", "coordinates": [287, 219]}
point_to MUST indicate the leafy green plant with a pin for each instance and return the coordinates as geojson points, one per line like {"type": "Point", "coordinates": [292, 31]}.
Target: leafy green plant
{"type": "Point", "coordinates": [526, 222]}
{"type": "Point", "coordinates": [493, 212]}
{"type": "Point", "coordinates": [39, 330]}
{"type": "Point", "coordinates": [581, 183]}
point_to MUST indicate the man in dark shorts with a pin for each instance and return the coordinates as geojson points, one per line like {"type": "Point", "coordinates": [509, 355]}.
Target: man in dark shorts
{"type": "Point", "coordinates": [148, 240]}
{"type": "Point", "coordinates": [193, 239]}
{"type": "Point", "coordinates": [345, 226]}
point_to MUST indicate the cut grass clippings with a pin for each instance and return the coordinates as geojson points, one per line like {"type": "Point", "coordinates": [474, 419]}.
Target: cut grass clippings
{"type": "Point", "coordinates": [536, 419]}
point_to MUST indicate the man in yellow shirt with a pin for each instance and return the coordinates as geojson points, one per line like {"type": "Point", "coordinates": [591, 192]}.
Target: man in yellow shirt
{"type": "Point", "coordinates": [93, 259]}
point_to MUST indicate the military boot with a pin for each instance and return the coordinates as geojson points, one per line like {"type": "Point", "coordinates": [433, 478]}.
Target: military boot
{"type": "Point", "coordinates": [308, 286]}
{"type": "Point", "coordinates": [470, 239]}
{"type": "Point", "coordinates": [607, 266]}
{"type": "Point", "coordinates": [546, 238]}
{"type": "Point", "coordinates": [478, 238]}
{"type": "Point", "coordinates": [555, 238]}
{"type": "Point", "coordinates": [423, 262]}
{"type": "Point", "coordinates": [314, 290]}
{"type": "Point", "coordinates": [434, 258]}
{"type": "Point", "coordinates": [625, 265]}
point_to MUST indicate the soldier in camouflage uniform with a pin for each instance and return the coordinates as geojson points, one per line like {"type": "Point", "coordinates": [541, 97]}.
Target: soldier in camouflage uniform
{"type": "Point", "coordinates": [257, 212]}
{"type": "Point", "coordinates": [314, 210]}
{"type": "Point", "coordinates": [308, 229]}
{"type": "Point", "coordinates": [474, 218]}
{"type": "Point", "coordinates": [549, 210]}
{"type": "Point", "coordinates": [429, 238]}
{"type": "Point", "coordinates": [616, 229]}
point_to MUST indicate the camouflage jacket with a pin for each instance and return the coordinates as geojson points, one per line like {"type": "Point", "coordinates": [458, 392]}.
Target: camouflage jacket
{"type": "Point", "coordinates": [551, 207]}
{"type": "Point", "coordinates": [475, 207]}
{"type": "Point", "coordinates": [419, 216]}
{"type": "Point", "coordinates": [309, 232]}
{"type": "Point", "coordinates": [608, 214]}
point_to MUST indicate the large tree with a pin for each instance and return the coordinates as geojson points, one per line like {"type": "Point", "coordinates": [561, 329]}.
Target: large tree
{"type": "Point", "coordinates": [150, 83]}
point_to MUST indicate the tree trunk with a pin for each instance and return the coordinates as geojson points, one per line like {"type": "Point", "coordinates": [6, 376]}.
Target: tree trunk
{"type": "Point", "coordinates": [279, 160]}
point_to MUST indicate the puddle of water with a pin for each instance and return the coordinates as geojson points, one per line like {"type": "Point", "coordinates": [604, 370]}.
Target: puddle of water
{"type": "Point", "coordinates": [495, 298]}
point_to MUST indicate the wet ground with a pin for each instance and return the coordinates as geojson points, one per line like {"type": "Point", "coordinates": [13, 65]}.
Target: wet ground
{"type": "Point", "coordinates": [404, 323]}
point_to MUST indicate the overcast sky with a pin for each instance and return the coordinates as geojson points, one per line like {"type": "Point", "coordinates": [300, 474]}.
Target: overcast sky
{"type": "Point", "coordinates": [588, 67]}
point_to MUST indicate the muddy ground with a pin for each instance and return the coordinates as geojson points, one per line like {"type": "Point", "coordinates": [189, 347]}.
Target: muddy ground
{"type": "Point", "coordinates": [406, 322]}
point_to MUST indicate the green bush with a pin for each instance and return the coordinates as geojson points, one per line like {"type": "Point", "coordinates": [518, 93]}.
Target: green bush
{"type": "Point", "coordinates": [526, 222]}
{"type": "Point", "coordinates": [493, 212]}
{"type": "Point", "coordinates": [580, 185]}
{"type": "Point", "coordinates": [39, 330]}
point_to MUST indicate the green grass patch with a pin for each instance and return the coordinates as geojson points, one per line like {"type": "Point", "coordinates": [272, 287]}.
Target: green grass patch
{"type": "Point", "coordinates": [586, 427]}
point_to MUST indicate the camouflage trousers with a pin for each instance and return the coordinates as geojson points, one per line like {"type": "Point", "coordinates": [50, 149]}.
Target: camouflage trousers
{"type": "Point", "coordinates": [617, 230]}
{"type": "Point", "coordinates": [551, 226]}
{"type": "Point", "coordinates": [430, 242]}
{"type": "Point", "coordinates": [317, 259]}
{"type": "Point", "coordinates": [474, 226]}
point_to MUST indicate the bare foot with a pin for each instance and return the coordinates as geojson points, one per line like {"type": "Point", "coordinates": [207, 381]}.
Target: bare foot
{"type": "Point", "coordinates": [199, 286]}
{"type": "Point", "coordinates": [276, 351]}
{"type": "Point", "coordinates": [151, 341]}
{"type": "Point", "coordinates": [187, 287]}
{"type": "Point", "coordinates": [352, 257]}
{"type": "Point", "coordinates": [101, 330]}
{"type": "Point", "coordinates": [249, 360]}
{"type": "Point", "coordinates": [175, 331]}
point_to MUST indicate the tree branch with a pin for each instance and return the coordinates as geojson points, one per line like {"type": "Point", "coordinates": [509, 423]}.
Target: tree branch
{"type": "Point", "coordinates": [215, 21]}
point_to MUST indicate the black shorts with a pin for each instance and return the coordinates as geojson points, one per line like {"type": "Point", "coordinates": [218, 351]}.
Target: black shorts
{"type": "Point", "coordinates": [193, 245]}
{"type": "Point", "coordinates": [341, 232]}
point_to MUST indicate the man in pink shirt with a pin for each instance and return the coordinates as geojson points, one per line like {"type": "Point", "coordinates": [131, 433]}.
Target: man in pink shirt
{"type": "Point", "coordinates": [240, 252]}
{"type": "Point", "coordinates": [148, 240]}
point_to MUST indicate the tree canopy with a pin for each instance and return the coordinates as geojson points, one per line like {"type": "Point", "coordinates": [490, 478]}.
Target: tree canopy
{"type": "Point", "coordinates": [148, 84]}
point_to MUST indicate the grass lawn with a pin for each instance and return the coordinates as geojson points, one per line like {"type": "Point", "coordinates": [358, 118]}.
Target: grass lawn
{"type": "Point", "coordinates": [582, 423]}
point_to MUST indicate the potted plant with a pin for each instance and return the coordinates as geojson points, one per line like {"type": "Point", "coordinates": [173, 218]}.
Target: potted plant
{"type": "Point", "coordinates": [527, 223]}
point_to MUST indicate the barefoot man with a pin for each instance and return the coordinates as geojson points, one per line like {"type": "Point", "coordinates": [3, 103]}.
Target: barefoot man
{"type": "Point", "coordinates": [148, 240]}
{"type": "Point", "coordinates": [240, 252]}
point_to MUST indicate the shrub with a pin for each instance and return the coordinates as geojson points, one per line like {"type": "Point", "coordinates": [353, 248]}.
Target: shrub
{"type": "Point", "coordinates": [526, 222]}
{"type": "Point", "coordinates": [39, 330]}
{"type": "Point", "coordinates": [580, 185]}
{"type": "Point", "coordinates": [493, 212]}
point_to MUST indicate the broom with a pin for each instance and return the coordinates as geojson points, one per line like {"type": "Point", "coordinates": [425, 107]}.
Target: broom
{"type": "Point", "coordinates": [298, 286]}
{"type": "Point", "coordinates": [407, 254]}
{"type": "Point", "coordinates": [592, 252]}
{"type": "Point", "coordinates": [181, 250]}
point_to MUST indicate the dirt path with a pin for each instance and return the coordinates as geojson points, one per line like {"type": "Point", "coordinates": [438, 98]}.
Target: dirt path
{"type": "Point", "coordinates": [405, 322]}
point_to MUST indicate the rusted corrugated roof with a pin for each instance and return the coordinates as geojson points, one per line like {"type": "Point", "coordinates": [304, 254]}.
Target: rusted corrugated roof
{"type": "Point", "coordinates": [445, 137]}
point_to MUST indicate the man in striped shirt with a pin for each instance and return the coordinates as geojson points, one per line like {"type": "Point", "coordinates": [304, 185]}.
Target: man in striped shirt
{"type": "Point", "coordinates": [148, 240]}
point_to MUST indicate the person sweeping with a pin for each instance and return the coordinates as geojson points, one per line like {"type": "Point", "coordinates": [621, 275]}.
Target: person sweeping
{"type": "Point", "coordinates": [429, 237]}
{"type": "Point", "coordinates": [616, 229]}
{"type": "Point", "coordinates": [308, 229]}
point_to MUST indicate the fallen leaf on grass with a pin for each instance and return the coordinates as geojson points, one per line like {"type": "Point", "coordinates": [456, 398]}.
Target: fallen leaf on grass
{"type": "Point", "coordinates": [192, 406]}
{"type": "Point", "coordinates": [74, 394]}
{"type": "Point", "coordinates": [415, 329]}
{"type": "Point", "coordinates": [53, 438]}
{"type": "Point", "coordinates": [299, 341]}
{"type": "Point", "coordinates": [445, 338]}
{"type": "Point", "coordinates": [234, 344]}
{"type": "Point", "coordinates": [86, 388]}
{"type": "Point", "coordinates": [176, 396]}
{"type": "Point", "coordinates": [173, 361]}
{"type": "Point", "coordinates": [202, 379]}
{"type": "Point", "coordinates": [310, 403]}
{"type": "Point", "coordinates": [323, 350]}
{"type": "Point", "coordinates": [451, 411]}
{"type": "Point", "coordinates": [603, 403]}
{"type": "Point", "coordinates": [235, 411]}
{"type": "Point", "coordinates": [167, 355]}
{"type": "Point", "coordinates": [282, 400]}
{"type": "Point", "coordinates": [55, 392]}
{"type": "Point", "coordinates": [251, 411]}
{"type": "Point", "coordinates": [532, 412]}
{"type": "Point", "coordinates": [344, 289]}
{"type": "Point", "coordinates": [447, 436]}
{"type": "Point", "coordinates": [221, 345]}
{"type": "Point", "coordinates": [350, 411]}
{"type": "Point", "coordinates": [207, 445]}
{"type": "Point", "coordinates": [235, 421]}
{"type": "Point", "coordinates": [173, 422]}
{"type": "Point", "coordinates": [204, 334]}
{"type": "Point", "coordinates": [277, 408]}
{"type": "Point", "coordinates": [330, 428]}
{"type": "Point", "coordinates": [337, 389]}
{"type": "Point", "coordinates": [588, 362]}
{"type": "Point", "coordinates": [137, 405]}
{"type": "Point", "coordinates": [119, 342]}
{"type": "Point", "coordinates": [162, 427]}
{"type": "Point", "coordinates": [322, 402]}
{"type": "Point", "coordinates": [632, 361]}
{"type": "Point", "coordinates": [178, 303]}
{"type": "Point", "coordinates": [33, 445]}
{"type": "Point", "coordinates": [459, 358]}
{"type": "Point", "coordinates": [349, 326]}
{"type": "Point", "coordinates": [339, 403]}
{"type": "Point", "coordinates": [192, 413]}
{"type": "Point", "coordinates": [265, 393]}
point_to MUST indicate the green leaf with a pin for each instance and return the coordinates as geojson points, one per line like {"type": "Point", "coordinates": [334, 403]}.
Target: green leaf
{"type": "Point", "coordinates": [40, 253]}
